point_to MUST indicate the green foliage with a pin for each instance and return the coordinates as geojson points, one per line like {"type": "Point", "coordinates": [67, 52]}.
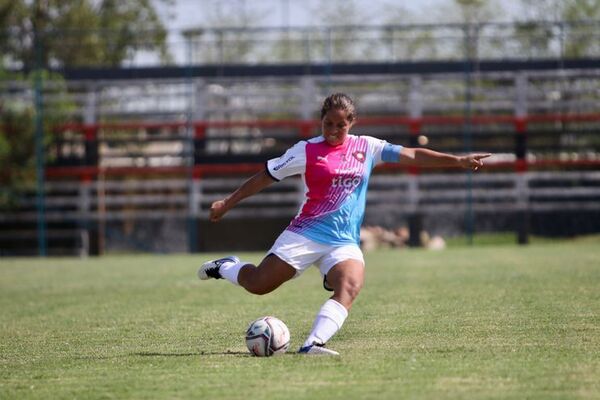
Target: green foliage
{"type": "Point", "coordinates": [472, 11]}
{"type": "Point", "coordinates": [17, 132]}
{"type": "Point", "coordinates": [578, 40]}
{"type": "Point", "coordinates": [582, 40]}
{"type": "Point", "coordinates": [500, 322]}
{"type": "Point", "coordinates": [581, 10]}
{"type": "Point", "coordinates": [79, 32]}
{"type": "Point", "coordinates": [16, 146]}
{"type": "Point", "coordinates": [534, 39]}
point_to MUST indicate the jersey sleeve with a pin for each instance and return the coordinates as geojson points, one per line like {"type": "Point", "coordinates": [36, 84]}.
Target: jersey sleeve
{"type": "Point", "coordinates": [383, 151]}
{"type": "Point", "coordinates": [292, 162]}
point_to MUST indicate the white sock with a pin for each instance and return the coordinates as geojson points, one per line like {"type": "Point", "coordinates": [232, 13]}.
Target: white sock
{"type": "Point", "coordinates": [329, 320]}
{"type": "Point", "coordinates": [230, 271]}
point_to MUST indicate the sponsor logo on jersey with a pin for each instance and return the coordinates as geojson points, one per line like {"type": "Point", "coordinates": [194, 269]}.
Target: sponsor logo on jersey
{"type": "Point", "coordinates": [283, 164]}
{"type": "Point", "coordinates": [346, 181]}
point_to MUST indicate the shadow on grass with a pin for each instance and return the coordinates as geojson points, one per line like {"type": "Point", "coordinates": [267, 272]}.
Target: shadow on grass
{"type": "Point", "coordinates": [199, 353]}
{"type": "Point", "coordinates": [204, 353]}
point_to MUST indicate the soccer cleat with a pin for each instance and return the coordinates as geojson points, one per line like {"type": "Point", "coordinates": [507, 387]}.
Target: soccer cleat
{"type": "Point", "coordinates": [210, 269]}
{"type": "Point", "coordinates": [317, 349]}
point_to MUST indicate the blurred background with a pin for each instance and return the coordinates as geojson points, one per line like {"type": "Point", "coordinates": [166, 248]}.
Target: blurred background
{"type": "Point", "coordinates": [121, 122]}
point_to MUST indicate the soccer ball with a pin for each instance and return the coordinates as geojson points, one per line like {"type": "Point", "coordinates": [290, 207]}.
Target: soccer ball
{"type": "Point", "coordinates": [267, 336]}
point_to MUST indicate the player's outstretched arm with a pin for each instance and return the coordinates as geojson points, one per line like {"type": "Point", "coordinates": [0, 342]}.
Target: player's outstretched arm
{"type": "Point", "coordinates": [252, 186]}
{"type": "Point", "coordinates": [419, 157]}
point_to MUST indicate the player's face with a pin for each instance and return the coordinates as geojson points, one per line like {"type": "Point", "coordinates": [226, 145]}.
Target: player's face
{"type": "Point", "coordinates": [335, 126]}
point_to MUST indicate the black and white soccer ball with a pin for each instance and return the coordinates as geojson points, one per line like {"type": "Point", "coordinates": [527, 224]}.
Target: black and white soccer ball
{"type": "Point", "coordinates": [267, 336]}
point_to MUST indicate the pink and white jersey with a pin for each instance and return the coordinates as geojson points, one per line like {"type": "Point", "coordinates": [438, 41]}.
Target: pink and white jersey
{"type": "Point", "coordinates": [335, 180]}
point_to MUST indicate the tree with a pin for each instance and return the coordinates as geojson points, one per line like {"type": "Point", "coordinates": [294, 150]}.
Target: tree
{"type": "Point", "coordinates": [475, 11]}
{"type": "Point", "coordinates": [224, 40]}
{"type": "Point", "coordinates": [581, 39]}
{"type": "Point", "coordinates": [472, 13]}
{"type": "Point", "coordinates": [406, 41]}
{"type": "Point", "coordinates": [79, 32]}
{"type": "Point", "coordinates": [445, 39]}
{"type": "Point", "coordinates": [38, 34]}
{"type": "Point", "coordinates": [565, 30]}
{"type": "Point", "coordinates": [342, 44]}
{"type": "Point", "coordinates": [17, 131]}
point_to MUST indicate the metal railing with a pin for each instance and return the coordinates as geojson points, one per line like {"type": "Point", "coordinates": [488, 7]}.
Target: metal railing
{"type": "Point", "coordinates": [82, 208]}
{"type": "Point", "coordinates": [393, 43]}
{"type": "Point", "coordinates": [353, 43]}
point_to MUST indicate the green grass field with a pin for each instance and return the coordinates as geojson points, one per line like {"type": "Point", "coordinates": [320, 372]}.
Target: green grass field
{"type": "Point", "coordinates": [502, 322]}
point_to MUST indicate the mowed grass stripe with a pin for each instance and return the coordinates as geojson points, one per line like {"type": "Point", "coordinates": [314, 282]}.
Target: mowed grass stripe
{"type": "Point", "coordinates": [482, 322]}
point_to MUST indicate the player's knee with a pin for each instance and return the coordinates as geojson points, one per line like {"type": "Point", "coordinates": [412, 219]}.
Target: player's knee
{"type": "Point", "coordinates": [351, 288]}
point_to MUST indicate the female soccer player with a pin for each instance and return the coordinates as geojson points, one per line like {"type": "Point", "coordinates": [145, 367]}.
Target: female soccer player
{"type": "Point", "coordinates": [335, 167]}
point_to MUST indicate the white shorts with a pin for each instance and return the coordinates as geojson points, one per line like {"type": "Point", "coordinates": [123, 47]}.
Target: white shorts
{"type": "Point", "coordinates": [301, 252]}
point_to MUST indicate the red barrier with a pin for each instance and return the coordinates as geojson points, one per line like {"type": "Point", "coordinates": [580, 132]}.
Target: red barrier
{"type": "Point", "coordinates": [305, 129]}
{"type": "Point", "coordinates": [200, 171]}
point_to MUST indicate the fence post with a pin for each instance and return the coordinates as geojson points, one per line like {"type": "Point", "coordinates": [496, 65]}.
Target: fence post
{"type": "Point", "coordinates": [195, 189]}
{"type": "Point", "coordinates": [471, 33]}
{"type": "Point", "coordinates": [415, 218]}
{"type": "Point", "coordinates": [195, 193]}
{"type": "Point", "coordinates": [39, 146]}
{"type": "Point", "coordinates": [194, 214]}
{"type": "Point", "coordinates": [522, 181]}
{"type": "Point", "coordinates": [90, 134]}
{"type": "Point", "coordinates": [84, 208]}
{"type": "Point", "coordinates": [308, 91]}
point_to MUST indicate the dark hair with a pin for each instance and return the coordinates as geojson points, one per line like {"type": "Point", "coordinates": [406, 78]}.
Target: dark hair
{"type": "Point", "coordinates": [339, 101]}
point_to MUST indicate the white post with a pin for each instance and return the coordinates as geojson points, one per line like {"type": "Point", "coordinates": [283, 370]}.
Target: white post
{"type": "Point", "coordinates": [307, 106]}
{"type": "Point", "coordinates": [84, 207]}
{"type": "Point", "coordinates": [90, 111]}
{"type": "Point", "coordinates": [521, 83]}
{"type": "Point", "coordinates": [195, 196]}
{"type": "Point", "coordinates": [522, 175]}
{"type": "Point", "coordinates": [415, 97]}
{"type": "Point", "coordinates": [415, 109]}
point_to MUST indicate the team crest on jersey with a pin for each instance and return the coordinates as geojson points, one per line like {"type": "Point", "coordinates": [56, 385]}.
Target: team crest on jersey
{"type": "Point", "coordinates": [359, 155]}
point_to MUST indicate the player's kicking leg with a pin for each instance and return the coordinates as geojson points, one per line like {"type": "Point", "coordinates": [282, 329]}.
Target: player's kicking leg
{"type": "Point", "coordinates": [271, 273]}
{"type": "Point", "coordinates": [212, 269]}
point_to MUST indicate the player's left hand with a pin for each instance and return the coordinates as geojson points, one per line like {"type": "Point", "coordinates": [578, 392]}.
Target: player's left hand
{"type": "Point", "coordinates": [217, 210]}
{"type": "Point", "coordinates": [473, 161]}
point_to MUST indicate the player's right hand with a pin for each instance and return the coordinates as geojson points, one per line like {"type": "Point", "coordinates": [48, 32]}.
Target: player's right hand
{"type": "Point", "coordinates": [217, 210]}
{"type": "Point", "coordinates": [473, 161]}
